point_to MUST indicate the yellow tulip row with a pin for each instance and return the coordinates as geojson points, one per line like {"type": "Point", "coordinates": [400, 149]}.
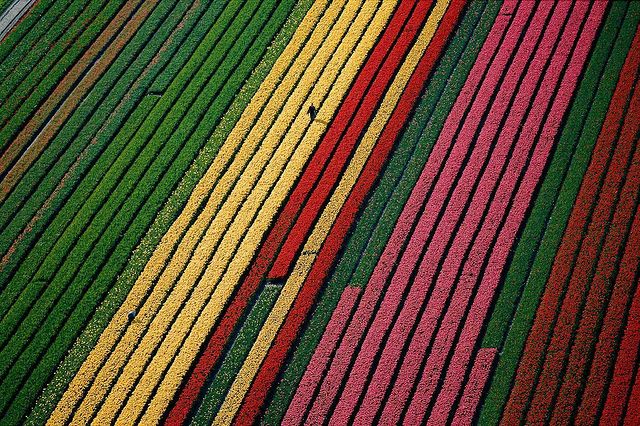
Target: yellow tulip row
{"type": "Point", "coordinates": [163, 319]}
{"type": "Point", "coordinates": [321, 230]}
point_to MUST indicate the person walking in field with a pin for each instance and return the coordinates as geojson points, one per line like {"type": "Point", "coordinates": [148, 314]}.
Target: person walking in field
{"type": "Point", "coordinates": [312, 112]}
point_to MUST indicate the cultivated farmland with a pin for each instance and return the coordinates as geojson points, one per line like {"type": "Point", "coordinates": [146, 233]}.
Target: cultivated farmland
{"type": "Point", "coordinates": [320, 212]}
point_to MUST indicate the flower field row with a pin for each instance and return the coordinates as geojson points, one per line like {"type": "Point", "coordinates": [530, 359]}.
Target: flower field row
{"type": "Point", "coordinates": [559, 187]}
{"type": "Point", "coordinates": [304, 212]}
{"type": "Point", "coordinates": [303, 266]}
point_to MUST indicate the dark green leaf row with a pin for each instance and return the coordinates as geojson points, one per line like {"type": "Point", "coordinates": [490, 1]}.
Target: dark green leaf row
{"type": "Point", "coordinates": [378, 219]}
{"type": "Point", "coordinates": [171, 209]}
{"type": "Point", "coordinates": [24, 36]}
{"type": "Point", "coordinates": [533, 258]}
{"type": "Point", "coordinates": [21, 397]}
{"type": "Point", "coordinates": [45, 26]}
{"type": "Point", "coordinates": [43, 178]}
{"type": "Point", "coordinates": [164, 79]}
{"type": "Point", "coordinates": [4, 4]}
{"type": "Point", "coordinates": [26, 87]}
{"type": "Point", "coordinates": [86, 142]}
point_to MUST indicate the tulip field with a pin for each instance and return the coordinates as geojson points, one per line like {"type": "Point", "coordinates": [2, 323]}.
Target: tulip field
{"type": "Point", "coordinates": [320, 212]}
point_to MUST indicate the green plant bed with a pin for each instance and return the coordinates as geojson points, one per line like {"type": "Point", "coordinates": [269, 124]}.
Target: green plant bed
{"type": "Point", "coordinates": [84, 149]}
{"type": "Point", "coordinates": [23, 37]}
{"type": "Point", "coordinates": [26, 86]}
{"type": "Point", "coordinates": [60, 157]}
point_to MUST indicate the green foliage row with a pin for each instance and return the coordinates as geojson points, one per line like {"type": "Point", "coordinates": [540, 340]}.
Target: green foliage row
{"type": "Point", "coordinates": [4, 4]}
{"type": "Point", "coordinates": [162, 81]}
{"type": "Point", "coordinates": [150, 28]}
{"type": "Point", "coordinates": [18, 396]}
{"type": "Point", "coordinates": [22, 38]}
{"type": "Point", "coordinates": [86, 142]}
{"type": "Point", "coordinates": [146, 159]}
{"type": "Point", "coordinates": [159, 27]}
{"type": "Point", "coordinates": [26, 86]}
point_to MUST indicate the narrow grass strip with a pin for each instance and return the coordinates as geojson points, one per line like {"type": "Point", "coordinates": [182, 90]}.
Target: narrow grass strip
{"type": "Point", "coordinates": [4, 4]}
